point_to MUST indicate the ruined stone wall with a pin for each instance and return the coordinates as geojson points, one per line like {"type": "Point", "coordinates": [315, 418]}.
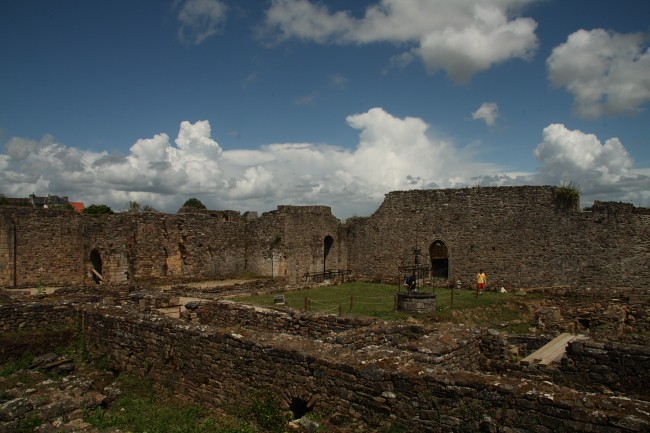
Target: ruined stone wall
{"type": "Point", "coordinates": [297, 236]}
{"type": "Point", "coordinates": [62, 248]}
{"type": "Point", "coordinates": [306, 227]}
{"type": "Point", "coordinates": [110, 240]}
{"type": "Point", "coordinates": [621, 314]}
{"type": "Point", "coordinates": [593, 366]}
{"type": "Point", "coordinates": [32, 316]}
{"type": "Point", "coordinates": [520, 236]}
{"type": "Point", "coordinates": [216, 367]}
{"type": "Point", "coordinates": [608, 365]}
{"type": "Point", "coordinates": [267, 237]}
{"type": "Point", "coordinates": [356, 333]}
{"type": "Point", "coordinates": [35, 328]}
{"type": "Point", "coordinates": [306, 324]}
{"type": "Point", "coordinates": [210, 247]}
{"type": "Point", "coordinates": [40, 247]}
{"type": "Point", "coordinates": [7, 251]}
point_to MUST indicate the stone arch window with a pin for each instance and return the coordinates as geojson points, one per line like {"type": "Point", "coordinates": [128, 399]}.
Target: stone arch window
{"type": "Point", "coordinates": [96, 262]}
{"type": "Point", "coordinates": [439, 256]}
{"type": "Point", "coordinates": [327, 246]}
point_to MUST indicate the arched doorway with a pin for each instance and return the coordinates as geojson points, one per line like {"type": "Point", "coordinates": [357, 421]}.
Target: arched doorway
{"type": "Point", "coordinates": [439, 256]}
{"type": "Point", "coordinates": [96, 262]}
{"type": "Point", "coordinates": [327, 245]}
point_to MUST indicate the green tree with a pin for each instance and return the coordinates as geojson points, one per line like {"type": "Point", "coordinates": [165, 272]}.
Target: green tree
{"type": "Point", "coordinates": [195, 203]}
{"type": "Point", "coordinates": [98, 209]}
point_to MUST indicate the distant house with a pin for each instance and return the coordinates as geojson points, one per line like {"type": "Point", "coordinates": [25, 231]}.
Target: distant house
{"type": "Point", "coordinates": [49, 201]}
{"type": "Point", "coordinates": [78, 206]}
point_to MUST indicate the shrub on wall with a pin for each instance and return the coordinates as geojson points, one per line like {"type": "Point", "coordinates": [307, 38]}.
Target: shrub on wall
{"type": "Point", "coordinates": [567, 196]}
{"type": "Point", "coordinates": [98, 209]}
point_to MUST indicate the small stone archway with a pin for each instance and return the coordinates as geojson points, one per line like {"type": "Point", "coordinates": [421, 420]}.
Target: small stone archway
{"type": "Point", "coordinates": [439, 257]}
{"type": "Point", "coordinates": [96, 265]}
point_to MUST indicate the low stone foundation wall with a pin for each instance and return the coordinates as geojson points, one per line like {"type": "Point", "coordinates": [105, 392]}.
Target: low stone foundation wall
{"type": "Point", "coordinates": [35, 328]}
{"type": "Point", "coordinates": [588, 365]}
{"type": "Point", "coordinates": [355, 333]}
{"type": "Point", "coordinates": [304, 323]}
{"type": "Point", "coordinates": [408, 375]}
{"type": "Point", "coordinates": [215, 366]}
{"type": "Point", "coordinates": [621, 314]}
{"type": "Point", "coordinates": [35, 316]}
{"type": "Point", "coordinates": [615, 366]}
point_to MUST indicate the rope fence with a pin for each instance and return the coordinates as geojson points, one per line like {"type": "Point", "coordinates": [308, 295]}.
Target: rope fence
{"type": "Point", "coordinates": [335, 304]}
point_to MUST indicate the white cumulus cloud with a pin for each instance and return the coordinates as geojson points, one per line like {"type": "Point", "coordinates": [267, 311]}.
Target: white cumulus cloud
{"type": "Point", "coordinates": [603, 170]}
{"type": "Point", "coordinates": [488, 112]}
{"type": "Point", "coordinates": [461, 37]}
{"type": "Point", "coordinates": [607, 73]}
{"type": "Point", "coordinates": [200, 19]}
{"type": "Point", "coordinates": [392, 153]}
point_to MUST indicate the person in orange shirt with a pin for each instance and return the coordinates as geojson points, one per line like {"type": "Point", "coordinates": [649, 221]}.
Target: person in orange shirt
{"type": "Point", "coordinates": [481, 279]}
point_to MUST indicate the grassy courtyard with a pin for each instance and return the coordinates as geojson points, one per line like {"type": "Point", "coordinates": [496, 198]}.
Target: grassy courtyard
{"type": "Point", "coordinates": [504, 310]}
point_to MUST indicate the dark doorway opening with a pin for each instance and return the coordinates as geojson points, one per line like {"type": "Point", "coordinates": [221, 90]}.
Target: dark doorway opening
{"type": "Point", "coordinates": [327, 245]}
{"type": "Point", "coordinates": [439, 255]}
{"type": "Point", "coordinates": [96, 261]}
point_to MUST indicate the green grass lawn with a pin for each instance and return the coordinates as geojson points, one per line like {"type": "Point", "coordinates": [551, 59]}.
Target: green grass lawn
{"type": "Point", "coordinates": [378, 300]}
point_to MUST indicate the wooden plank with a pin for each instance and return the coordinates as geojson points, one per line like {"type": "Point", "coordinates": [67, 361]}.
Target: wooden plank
{"type": "Point", "coordinates": [97, 274]}
{"type": "Point", "coordinates": [552, 351]}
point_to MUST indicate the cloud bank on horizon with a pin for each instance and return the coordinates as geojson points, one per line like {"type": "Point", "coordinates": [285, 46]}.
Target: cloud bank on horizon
{"type": "Point", "coordinates": [392, 154]}
{"type": "Point", "coordinates": [606, 74]}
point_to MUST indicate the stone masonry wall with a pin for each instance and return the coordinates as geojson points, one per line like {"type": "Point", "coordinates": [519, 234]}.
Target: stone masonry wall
{"type": "Point", "coordinates": [34, 328]}
{"type": "Point", "coordinates": [47, 249]}
{"type": "Point", "coordinates": [621, 314]}
{"type": "Point", "coordinates": [62, 248]}
{"type": "Point", "coordinates": [215, 366]}
{"type": "Point", "coordinates": [520, 236]}
{"type": "Point", "coordinates": [356, 333]}
{"type": "Point", "coordinates": [589, 365]}
{"type": "Point", "coordinates": [7, 251]}
{"type": "Point", "coordinates": [615, 366]}
{"type": "Point", "coordinates": [307, 324]}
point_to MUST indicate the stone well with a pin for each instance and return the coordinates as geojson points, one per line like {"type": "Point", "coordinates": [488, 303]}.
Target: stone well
{"type": "Point", "coordinates": [416, 302]}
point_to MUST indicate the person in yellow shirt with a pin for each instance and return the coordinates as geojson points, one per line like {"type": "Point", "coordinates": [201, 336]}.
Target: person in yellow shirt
{"type": "Point", "coordinates": [481, 280]}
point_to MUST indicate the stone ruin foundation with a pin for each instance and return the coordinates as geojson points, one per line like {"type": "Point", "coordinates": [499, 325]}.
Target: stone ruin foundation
{"type": "Point", "coordinates": [365, 372]}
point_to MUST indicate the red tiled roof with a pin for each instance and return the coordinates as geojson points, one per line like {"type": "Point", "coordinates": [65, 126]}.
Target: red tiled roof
{"type": "Point", "coordinates": [78, 206]}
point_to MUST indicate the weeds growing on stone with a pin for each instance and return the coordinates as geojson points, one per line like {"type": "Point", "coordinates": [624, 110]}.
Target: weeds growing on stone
{"type": "Point", "coordinates": [267, 413]}
{"type": "Point", "coordinates": [144, 408]}
{"type": "Point", "coordinates": [12, 367]}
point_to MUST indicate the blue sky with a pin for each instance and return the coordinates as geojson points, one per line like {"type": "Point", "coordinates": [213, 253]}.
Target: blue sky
{"type": "Point", "coordinates": [248, 105]}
